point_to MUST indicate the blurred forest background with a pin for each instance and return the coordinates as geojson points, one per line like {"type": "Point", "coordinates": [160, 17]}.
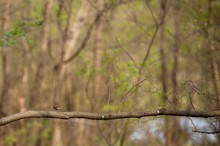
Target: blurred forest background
{"type": "Point", "coordinates": [109, 56]}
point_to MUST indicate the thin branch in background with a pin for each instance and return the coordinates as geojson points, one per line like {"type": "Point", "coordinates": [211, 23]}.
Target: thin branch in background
{"type": "Point", "coordinates": [87, 93]}
{"type": "Point", "coordinates": [190, 99]}
{"type": "Point", "coordinates": [126, 52]}
{"type": "Point", "coordinates": [59, 12]}
{"type": "Point", "coordinates": [120, 45]}
{"type": "Point", "coordinates": [153, 37]}
{"type": "Point", "coordinates": [102, 134]}
{"type": "Point", "coordinates": [107, 138]}
{"type": "Point", "coordinates": [132, 88]}
{"type": "Point", "coordinates": [148, 50]}
{"type": "Point", "coordinates": [212, 124]}
{"type": "Point", "coordinates": [152, 13]}
{"type": "Point", "coordinates": [135, 86]}
{"type": "Point", "coordinates": [192, 123]}
{"type": "Point", "coordinates": [207, 132]}
{"type": "Point", "coordinates": [150, 44]}
{"type": "Point", "coordinates": [202, 131]}
{"type": "Point", "coordinates": [109, 90]}
{"type": "Point", "coordinates": [114, 35]}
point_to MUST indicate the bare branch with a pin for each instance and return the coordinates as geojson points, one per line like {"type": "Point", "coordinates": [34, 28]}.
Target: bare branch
{"type": "Point", "coordinates": [192, 123]}
{"type": "Point", "coordinates": [126, 52]}
{"type": "Point", "coordinates": [207, 132]}
{"type": "Point", "coordinates": [105, 116]}
{"type": "Point", "coordinates": [154, 35]}
{"type": "Point", "coordinates": [132, 88]}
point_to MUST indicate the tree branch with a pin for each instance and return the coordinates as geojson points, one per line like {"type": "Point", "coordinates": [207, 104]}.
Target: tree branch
{"type": "Point", "coordinates": [105, 116]}
{"type": "Point", "coordinates": [207, 132]}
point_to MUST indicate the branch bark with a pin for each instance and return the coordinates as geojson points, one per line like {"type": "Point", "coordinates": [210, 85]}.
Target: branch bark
{"type": "Point", "coordinates": [105, 116]}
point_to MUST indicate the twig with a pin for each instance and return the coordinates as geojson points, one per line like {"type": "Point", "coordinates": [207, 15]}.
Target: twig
{"type": "Point", "coordinates": [207, 132]}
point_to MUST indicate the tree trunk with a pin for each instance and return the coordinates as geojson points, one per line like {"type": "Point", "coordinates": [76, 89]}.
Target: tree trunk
{"type": "Point", "coordinates": [98, 46]}
{"type": "Point", "coordinates": [80, 140]}
{"type": "Point", "coordinates": [164, 77]}
{"type": "Point", "coordinates": [5, 52]}
{"type": "Point", "coordinates": [42, 53]}
{"type": "Point", "coordinates": [174, 76]}
{"type": "Point", "coordinates": [4, 99]}
{"type": "Point", "coordinates": [57, 134]}
{"type": "Point", "coordinates": [214, 62]}
{"type": "Point", "coordinates": [163, 55]}
{"type": "Point", "coordinates": [64, 70]}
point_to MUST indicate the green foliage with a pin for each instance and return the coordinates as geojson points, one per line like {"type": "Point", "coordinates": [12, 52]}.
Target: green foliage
{"type": "Point", "coordinates": [36, 22]}
{"type": "Point", "coordinates": [85, 69]}
{"type": "Point", "coordinates": [113, 1]}
{"type": "Point", "coordinates": [110, 108]}
{"type": "Point", "coordinates": [132, 69]}
{"type": "Point", "coordinates": [38, 9]}
{"type": "Point", "coordinates": [10, 140]}
{"type": "Point", "coordinates": [109, 58]}
{"type": "Point", "coordinates": [169, 30]}
{"type": "Point", "coordinates": [127, 31]}
{"type": "Point", "coordinates": [11, 37]}
{"type": "Point", "coordinates": [47, 132]}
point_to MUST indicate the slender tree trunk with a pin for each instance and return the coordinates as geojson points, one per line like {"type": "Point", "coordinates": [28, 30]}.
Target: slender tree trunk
{"type": "Point", "coordinates": [98, 55]}
{"type": "Point", "coordinates": [176, 54]}
{"type": "Point", "coordinates": [5, 52]}
{"type": "Point", "coordinates": [212, 47]}
{"type": "Point", "coordinates": [174, 76]}
{"type": "Point", "coordinates": [97, 97]}
{"type": "Point", "coordinates": [22, 96]}
{"type": "Point", "coordinates": [62, 72]}
{"type": "Point", "coordinates": [98, 58]}
{"type": "Point", "coordinates": [164, 77]}
{"type": "Point", "coordinates": [163, 55]}
{"type": "Point", "coordinates": [214, 62]}
{"type": "Point", "coordinates": [36, 132]}
{"type": "Point", "coordinates": [69, 46]}
{"type": "Point", "coordinates": [42, 53]}
{"type": "Point", "coordinates": [5, 56]}
{"type": "Point", "coordinates": [57, 134]}
{"type": "Point", "coordinates": [27, 61]}
{"type": "Point", "coordinates": [81, 133]}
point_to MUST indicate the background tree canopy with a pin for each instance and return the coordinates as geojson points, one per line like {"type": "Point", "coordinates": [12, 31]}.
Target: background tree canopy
{"type": "Point", "coordinates": [110, 56]}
